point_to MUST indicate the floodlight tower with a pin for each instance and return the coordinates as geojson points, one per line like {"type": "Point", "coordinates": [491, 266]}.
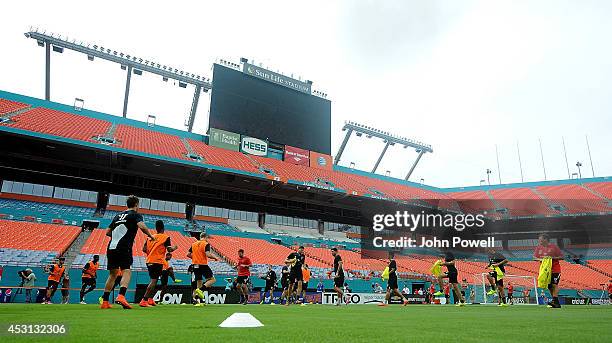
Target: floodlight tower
{"type": "Point", "coordinates": [132, 64]}
{"type": "Point", "coordinates": [389, 140]}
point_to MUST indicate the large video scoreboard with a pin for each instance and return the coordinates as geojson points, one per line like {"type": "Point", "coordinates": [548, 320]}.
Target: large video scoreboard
{"type": "Point", "coordinates": [262, 104]}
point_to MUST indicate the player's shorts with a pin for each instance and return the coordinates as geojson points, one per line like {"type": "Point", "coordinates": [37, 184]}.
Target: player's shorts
{"type": "Point", "coordinates": [510, 296]}
{"type": "Point", "coordinates": [392, 283]}
{"type": "Point", "coordinates": [164, 277]}
{"type": "Point", "coordinates": [339, 281]}
{"type": "Point", "coordinates": [463, 293]}
{"type": "Point", "coordinates": [555, 278]}
{"type": "Point", "coordinates": [88, 281]}
{"type": "Point", "coordinates": [155, 270]}
{"type": "Point", "coordinates": [242, 280]}
{"type": "Point", "coordinates": [285, 284]}
{"type": "Point", "coordinates": [202, 270]}
{"type": "Point", "coordinates": [269, 286]}
{"type": "Point", "coordinates": [118, 259]}
{"type": "Point", "coordinates": [452, 277]}
{"type": "Point", "coordinates": [52, 284]}
{"type": "Point", "coordinates": [304, 286]}
{"type": "Point", "coordinates": [499, 282]}
{"type": "Point", "coordinates": [295, 275]}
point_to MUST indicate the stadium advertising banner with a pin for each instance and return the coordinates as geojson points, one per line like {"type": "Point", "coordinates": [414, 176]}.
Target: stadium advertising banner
{"type": "Point", "coordinates": [224, 139]}
{"type": "Point", "coordinates": [321, 161]}
{"type": "Point", "coordinates": [254, 146]}
{"type": "Point", "coordinates": [297, 156]}
{"type": "Point", "coordinates": [330, 298]}
{"type": "Point", "coordinates": [253, 70]}
{"type": "Point", "coordinates": [181, 294]}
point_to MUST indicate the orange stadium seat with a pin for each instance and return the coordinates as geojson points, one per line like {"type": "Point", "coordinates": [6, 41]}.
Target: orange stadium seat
{"type": "Point", "coordinates": [258, 250]}
{"type": "Point", "coordinates": [9, 106]}
{"type": "Point", "coordinates": [575, 198]}
{"type": "Point", "coordinates": [36, 236]}
{"type": "Point", "coordinates": [98, 241]}
{"type": "Point", "coordinates": [521, 202]}
{"type": "Point", "coordinates": [151, 142]}
{"type": "Point", "coordinates": [60, 124]}
{"type": "Point", "coordinates": [222, 157]}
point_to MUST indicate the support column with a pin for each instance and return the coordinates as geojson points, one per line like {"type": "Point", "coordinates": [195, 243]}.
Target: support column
{"type": "Point", "coordinates": [381, 157]}
{"type": "Point", "coordinates": [346, 138]}
{"type": "Point", "coordinates": [47, 71]}
{"type": "Point", "coordinates": [421, 152]}
{"type": "Point", "coordinates": [127, 91]}
{"type": "Point", "coordinates": [194, 106]}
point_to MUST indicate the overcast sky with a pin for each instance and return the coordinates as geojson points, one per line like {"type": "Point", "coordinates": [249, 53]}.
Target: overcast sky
{"type": "Point", "coordinates": [463, 76]}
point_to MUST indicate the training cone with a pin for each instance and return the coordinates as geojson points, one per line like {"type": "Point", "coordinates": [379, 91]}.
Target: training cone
{"type": "Point", "coordinates": [241, 320]}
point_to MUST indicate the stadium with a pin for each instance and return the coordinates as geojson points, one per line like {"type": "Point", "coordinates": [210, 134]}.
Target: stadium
{"type": "Point", "coordinates": [266, 189]}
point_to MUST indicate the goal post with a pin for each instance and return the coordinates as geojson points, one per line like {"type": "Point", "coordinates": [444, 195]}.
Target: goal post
{"type": "Point", "coordinates": [480, 284]}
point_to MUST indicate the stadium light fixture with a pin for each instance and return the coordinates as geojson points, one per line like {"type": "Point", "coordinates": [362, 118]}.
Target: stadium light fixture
{"type": "Point", "coordinates": [129, 62]}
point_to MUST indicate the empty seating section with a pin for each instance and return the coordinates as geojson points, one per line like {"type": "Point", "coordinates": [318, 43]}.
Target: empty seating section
{"type": "Point", "coordinates": [575, 198]}
{"type": "Point", "coordinates": [473, 201]}
{"type": "Point", "coordinates": [46, 212]}
{"type": "Point", "coordinates": [351, 260]}
{"type": "Point", "coordinates": [98, 241]}
{"type": "Point", "coordinates": [36, 236]}
{"type": "Point", "coordinates": [521, 202]}
{"type": "Point", "coordinates": [289, 171]}
{"type": "Point", "coordinates": [9, 106]}
{"type": "Point", "coordinates": [30, 258]}
{"type": "Point", "coordinates": [259, 251]}
{"type": "Point", "coordinates": [60, 124]}
{"type": "Point", "coordinates": [602, 265]}
{"type": "Point", "coordinates": [222, 157]}
{"type": "Point", "coordinates": [603, 188]}
{"type": "Point", "coordinates": [150, 142]}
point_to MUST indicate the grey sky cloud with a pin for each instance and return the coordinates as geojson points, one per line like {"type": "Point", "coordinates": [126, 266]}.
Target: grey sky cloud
{"type": "Point", "coordinates": [462, 76]}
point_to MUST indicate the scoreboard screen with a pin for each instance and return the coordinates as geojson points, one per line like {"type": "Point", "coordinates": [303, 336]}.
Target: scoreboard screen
{"type": "Point", "coordinates": [255, 107]}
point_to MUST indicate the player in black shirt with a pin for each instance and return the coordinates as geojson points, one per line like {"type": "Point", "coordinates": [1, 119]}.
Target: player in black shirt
{"type": "Point", "coordinates": [122, 232]}
{"type": "Point", "coordinates": [338, 275]}
{"type": "Point", "coordinates": [270, 285]}
{"type": "Point", "coordinates": [296, 260]}
{"type": "Point", "coordinates": [452, 274]}
{"type": "Point", "coordinates": [285, 283]}
{"type": "Point", "coordinates": [496, 281]}
{"type": "Point", "coordinates": [392, 287]}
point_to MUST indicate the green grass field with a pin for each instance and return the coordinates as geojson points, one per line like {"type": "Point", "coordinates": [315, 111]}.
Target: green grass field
{"type": "Point", "coordinates": [317, 323]}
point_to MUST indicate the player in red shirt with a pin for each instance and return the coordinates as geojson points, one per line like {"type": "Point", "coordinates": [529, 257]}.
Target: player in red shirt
{"type": "Point", "coordinates": [244, 271]}
{"type": "Point", "coordinates": [447, 293]}
{"type": "Point", "coordinates": [547, 249]}
{"type": "Point", "coordinates": [432, 290]}
{"type": "Point", "coordinates": [510, 293]}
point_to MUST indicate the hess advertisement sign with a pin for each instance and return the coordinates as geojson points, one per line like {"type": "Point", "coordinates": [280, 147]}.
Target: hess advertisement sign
{"type": "Point", "coordinates": [254, 146]}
